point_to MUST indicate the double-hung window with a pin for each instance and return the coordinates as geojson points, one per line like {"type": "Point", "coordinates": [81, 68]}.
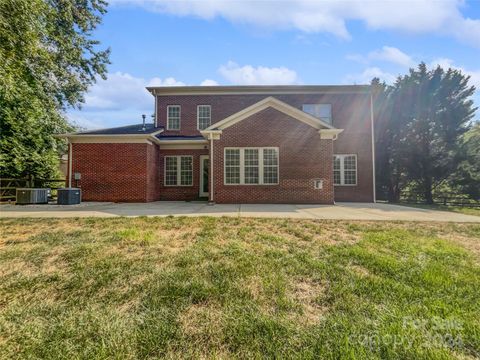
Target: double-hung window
{"type": "Point", "coordinates": [178, 171]}
{"type": "Point", "coordinates": [204, 116]}
{"type": "Point", "coordinates": [320, 111]}
{"type": "Point", "coordinates": [173, 117]}
{"type": "Point", "coordinates": [345, 170]}
{"type": "Point", "coordinates": [251, 166]}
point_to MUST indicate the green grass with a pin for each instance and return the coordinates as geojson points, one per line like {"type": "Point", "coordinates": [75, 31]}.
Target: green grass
{"type": "Point", "coordinates": [458, 209]}
{"type": "Point", "coordinates": [131, 288]}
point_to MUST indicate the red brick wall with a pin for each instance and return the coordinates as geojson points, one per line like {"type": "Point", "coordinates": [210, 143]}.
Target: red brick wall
{"type": "Point", "coordinates": [179, 193]}
{"type": "Point", "coordinates": [303, 157]}
{"type": "Point", "coordinates": [354, 118]}
{"type": "Point", "coordinates": [153, 173]}
{"type": "Point", "coordinates": [350, 112]}
{"type": "Point", "coordinates": [113, 172]}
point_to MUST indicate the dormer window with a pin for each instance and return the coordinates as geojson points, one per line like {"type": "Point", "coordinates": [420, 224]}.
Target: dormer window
{"type": "Point", "coordinates": [321, 111]}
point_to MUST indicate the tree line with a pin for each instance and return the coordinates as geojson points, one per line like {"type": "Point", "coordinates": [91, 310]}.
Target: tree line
{"type": "Point", "coordinates": [427, 141]}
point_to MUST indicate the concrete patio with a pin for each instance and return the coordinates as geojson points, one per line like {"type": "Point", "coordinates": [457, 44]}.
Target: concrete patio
{"type": "Point", "coordinates": [340, 211]}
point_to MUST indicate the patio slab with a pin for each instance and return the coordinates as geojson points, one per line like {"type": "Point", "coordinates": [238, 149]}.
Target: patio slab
{"type": "Point", "coordinates": [340, 211]}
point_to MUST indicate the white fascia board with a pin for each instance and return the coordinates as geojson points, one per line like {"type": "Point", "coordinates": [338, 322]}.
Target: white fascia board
{"type": "Point", "coordinates": [329, 133]}
{"type": "Point", "coordinates": [196, 141]}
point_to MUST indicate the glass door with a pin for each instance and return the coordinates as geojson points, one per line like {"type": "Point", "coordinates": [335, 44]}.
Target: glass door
{"type": "Point", "coordinates": [204, 167]}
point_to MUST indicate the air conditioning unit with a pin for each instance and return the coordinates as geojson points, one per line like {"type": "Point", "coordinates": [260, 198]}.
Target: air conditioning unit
{"type": "Point", "coordinates": [69, 196]}
{"type": "Point", "coordinates": [32, 196]}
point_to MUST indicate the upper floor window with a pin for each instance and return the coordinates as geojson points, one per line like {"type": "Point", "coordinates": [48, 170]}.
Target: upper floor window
{"type": "Point", "coordinates": [345, 169]}
{"type": "Point", "coordinates": [251, 166]}
{"type": "Point", "coordinates": [173, 117]}
{"type": "Point", "coordinates": [204, 116]}
{"type": "Point", "coordinates": [321, 111]}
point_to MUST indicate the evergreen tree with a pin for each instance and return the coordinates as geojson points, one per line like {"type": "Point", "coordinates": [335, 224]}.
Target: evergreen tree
{"type": "Point", "coordinates": [425, 114]}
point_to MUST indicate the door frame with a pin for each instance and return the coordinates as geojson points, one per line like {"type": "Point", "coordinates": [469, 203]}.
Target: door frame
{"type": "Point", "coordinates": [201, 193]}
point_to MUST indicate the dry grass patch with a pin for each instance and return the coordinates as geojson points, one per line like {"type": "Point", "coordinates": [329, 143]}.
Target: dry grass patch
{"type": "Point", "coordinates": [308, 294]}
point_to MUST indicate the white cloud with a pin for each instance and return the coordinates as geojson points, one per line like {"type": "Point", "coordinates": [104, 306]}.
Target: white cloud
{"type": "Point", "coordinates": [387, 54]}
{"type": "Point", "coordinates": [208, 82]}
{"type": "Point", "coordinates": [260, 75]}
{"type": "Point", "coordinates": [368, 74]}
{"type": "Point", "coordinates": [393, 55]}
{"type": "Point", "coordinates": [119, 100]}
{"type": "Point", "coordinates": [122, 90]}
{"type": "Point", "coordinates": [330, 16]}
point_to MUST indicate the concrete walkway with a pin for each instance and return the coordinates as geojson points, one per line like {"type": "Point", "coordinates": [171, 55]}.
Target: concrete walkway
{"type": "Point", "coordinates": [340, 211]}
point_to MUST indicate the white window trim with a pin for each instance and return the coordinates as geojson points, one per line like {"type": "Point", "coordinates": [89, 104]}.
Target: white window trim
{"type": "Point", "coordinates": [198, 116]}
{"type": "Point", "coordinates": [342, 169]}
{"type": "Point", "coordinates": [179, 117]}
{"type": "Point", "coordinates": [242, 166]}
{"type": "Point", "coordinates": [179, 170]}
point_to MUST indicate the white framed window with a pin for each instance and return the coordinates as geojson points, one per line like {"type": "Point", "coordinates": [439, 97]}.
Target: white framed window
{"type": "Point", "coordinates": [173, 117]}
{"type": "Point", "coordinates": [321, 111]}
{"type": "Point", "coordinates": [251, 166]}
{"type": "Point", "coordinates": [204, 116]}
{"type": "Point", "coordinates": [345, 170]}
{"type": "Point", "coordinates": [178, 170]}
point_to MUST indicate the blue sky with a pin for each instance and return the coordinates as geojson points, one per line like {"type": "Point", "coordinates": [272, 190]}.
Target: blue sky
{"type": "Point", "coordinates": [156, 42]}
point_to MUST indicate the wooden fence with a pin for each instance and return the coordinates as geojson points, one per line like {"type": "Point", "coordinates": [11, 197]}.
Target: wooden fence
{"type": "Point", "coordinates": [443, 199]}
{"type": "Point", "coordinates": [8, 186]}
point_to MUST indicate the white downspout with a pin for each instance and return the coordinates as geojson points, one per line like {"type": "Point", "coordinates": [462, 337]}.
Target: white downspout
{"type": "Point", "coordinates": [211, 169]}
{"type": "Point", "coordinates": [373, 147]}
{"type": "Point", "coordinates": [156, 119]}
{"type": "Point", "coordinates": [70, 151]}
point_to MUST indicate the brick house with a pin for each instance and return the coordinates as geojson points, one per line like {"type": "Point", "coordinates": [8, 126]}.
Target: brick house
{"type": "Point", "coordinates": [235, 144]}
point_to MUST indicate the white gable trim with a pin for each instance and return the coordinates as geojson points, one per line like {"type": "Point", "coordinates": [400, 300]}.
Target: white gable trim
{"type": "Point", "coordinates": [273, 103]}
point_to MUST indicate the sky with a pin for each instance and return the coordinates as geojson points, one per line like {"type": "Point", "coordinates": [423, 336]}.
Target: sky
{"type": "Point", "coordinates": [212, 42]}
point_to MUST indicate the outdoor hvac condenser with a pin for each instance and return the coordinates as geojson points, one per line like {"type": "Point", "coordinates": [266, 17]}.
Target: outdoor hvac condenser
{"type": "Point", "coordinates": [32, 196]}
{"type": "Point", "coordinates": [69, 196]}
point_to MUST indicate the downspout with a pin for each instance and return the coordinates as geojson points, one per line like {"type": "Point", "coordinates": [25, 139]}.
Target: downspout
{"type": "Point", "coordinates": [156, 120]}
{"type": "Point", "coordinates": [373, 147]}
{"type": "Point", "coordinates": [70, 160]}
{"type": "Point", "coordinates": [211, 170]}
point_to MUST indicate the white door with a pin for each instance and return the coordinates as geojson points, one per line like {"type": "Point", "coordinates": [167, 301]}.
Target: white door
{"type": "Point", "coordinates": [204, 169]}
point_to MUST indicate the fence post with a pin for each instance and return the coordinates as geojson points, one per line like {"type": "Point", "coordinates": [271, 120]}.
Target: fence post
{"type": "Point", "coordinates": [445, 200]}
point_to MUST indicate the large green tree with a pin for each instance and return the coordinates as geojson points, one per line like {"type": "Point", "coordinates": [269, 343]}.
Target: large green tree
{"type": "Point", "coordinates": [423, 117]}
{"type": "Point", "coordinates": [48, 59]}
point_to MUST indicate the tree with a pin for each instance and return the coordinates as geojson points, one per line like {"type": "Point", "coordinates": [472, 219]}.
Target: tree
{"type": "Point", "coordinates": [467, 176]}
{"type": "Point", "coordinates": [427, 112]}
{"type": "Point", "coordinates": [48, 61]}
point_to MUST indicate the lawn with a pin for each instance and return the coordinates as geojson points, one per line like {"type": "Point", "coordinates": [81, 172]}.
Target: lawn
{"type": "Point", "coordinates": [247, 288]}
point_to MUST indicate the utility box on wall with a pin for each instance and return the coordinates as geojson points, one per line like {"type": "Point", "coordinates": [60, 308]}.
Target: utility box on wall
{"type": "Point", "coordinates": [69, 196]}
{"type": "Point", "coordinates": [318, 184]}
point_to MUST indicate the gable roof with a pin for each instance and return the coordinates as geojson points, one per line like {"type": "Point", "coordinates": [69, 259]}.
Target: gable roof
{"type": "Point", "coordinates": [275, 104]}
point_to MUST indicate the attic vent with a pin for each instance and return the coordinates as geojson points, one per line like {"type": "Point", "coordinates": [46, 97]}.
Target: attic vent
{"type": "Point", "coordinates": [318, 184]}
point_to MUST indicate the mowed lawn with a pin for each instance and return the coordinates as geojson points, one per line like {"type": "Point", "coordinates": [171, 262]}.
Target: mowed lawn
{"type": "Point", "coordinates": [130, 288]}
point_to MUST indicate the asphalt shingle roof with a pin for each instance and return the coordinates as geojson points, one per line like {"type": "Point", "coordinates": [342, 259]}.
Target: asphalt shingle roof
{"type": "Point", "coordinates": [123, 130]}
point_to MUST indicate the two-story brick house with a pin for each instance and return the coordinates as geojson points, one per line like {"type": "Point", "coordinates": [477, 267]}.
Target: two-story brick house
{"type": "Point", "coordinates": [235, 144]}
